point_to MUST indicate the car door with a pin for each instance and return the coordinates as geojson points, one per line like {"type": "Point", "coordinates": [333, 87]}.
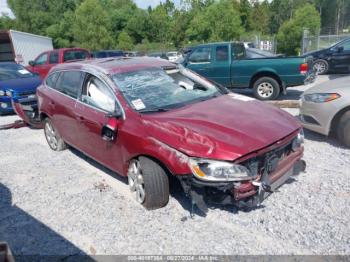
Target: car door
{"type": "Point", "coordinates": [97, 100]}
{"type": "Point", "coordinates": [200, 61]}
{"type": "Point", "coordinates": [221, 65]}
{"type": "Point", "coordinates": [40, 65]}
{"type": "Point", "coordinates": [340, 58]}
{"type": "Point", "coordinates": [63, 101]}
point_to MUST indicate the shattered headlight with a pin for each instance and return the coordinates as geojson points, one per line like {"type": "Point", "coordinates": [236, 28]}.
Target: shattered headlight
{"type": "Point", "coordinates": [219, 171]}
{"type": "Point", "coordinates": [2, 92]}
{"type": "Point", "coordinates": [321, 97]}
{"type": "Point", "coordinates": [298, 141]}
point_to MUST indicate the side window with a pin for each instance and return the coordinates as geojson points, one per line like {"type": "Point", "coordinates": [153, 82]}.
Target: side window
{"type": "Point", "coordinates": [346, 46]}
{"type": "Point", "coordinates": [75, 55]}
{"type": "Point", "coordinates": [201, 55]}
{"type": "Point", "coordinates": [41, 60]}
{"type": "Point", "coordinates": [238, 51]}
{"type": "Point", "coordinates": [53, 58]}
{"type": "Point", "coordinates": [221, 53]}
{"type": "Point", "coordinates": [52, 79]}
{"type": "Point", "coordinates": [97, 94]}
{"type": "Point", "coordinates": [70, 83]}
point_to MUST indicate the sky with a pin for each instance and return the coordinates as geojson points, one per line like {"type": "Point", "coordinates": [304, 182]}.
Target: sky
{"type": "Point", "coordinates": [141, 3]}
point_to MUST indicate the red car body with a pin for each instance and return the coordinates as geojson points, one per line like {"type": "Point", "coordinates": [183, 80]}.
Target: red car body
{"type": "Point", "coordinates": [230, 128]}
{"type": "Point", "coordinates": [46, 60]}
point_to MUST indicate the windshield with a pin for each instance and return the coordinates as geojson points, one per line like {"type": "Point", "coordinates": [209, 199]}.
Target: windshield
{"type": "Point", "coordinates": [13, 71]}
{"type": "Point", "coordinates": [158, 89]}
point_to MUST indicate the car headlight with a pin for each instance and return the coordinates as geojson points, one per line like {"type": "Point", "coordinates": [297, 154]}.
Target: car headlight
{"type": "Point", "coordinates": [299, 140]}
{"type": "Point", "coordinates": [321, 97]}
{"type": "Point", "coordinates": [218, 171]}
{"type": "Point", "coordinates": [8, 93]}
{"type": "Point", "coordinates": [2, 92]}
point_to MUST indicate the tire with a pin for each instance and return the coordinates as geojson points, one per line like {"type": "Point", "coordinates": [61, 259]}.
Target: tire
{"type": "Point", "coordinates": [150, 182]}
{"type": "Point", "coordinates": [321, 66]}
{"type": "Point", "coordinates": [343, 129]}
{"type": "Point", "coordinates": [53, 138]}
{"type": "Point", "coordinates": [266, 88]}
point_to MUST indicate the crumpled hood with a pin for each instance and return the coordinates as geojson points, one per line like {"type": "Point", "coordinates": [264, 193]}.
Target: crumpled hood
{"type": "Point", "coordinates": [223, 128]}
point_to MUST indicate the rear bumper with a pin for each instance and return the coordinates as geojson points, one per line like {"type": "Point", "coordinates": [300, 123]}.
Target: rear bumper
{"type": "Point", "coordinates": [247, 193]}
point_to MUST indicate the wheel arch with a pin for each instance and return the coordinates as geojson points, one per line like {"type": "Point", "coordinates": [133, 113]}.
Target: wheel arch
{"type": "Point", "coordinates": [336, 119]}
{"type": "Point", "coordinates": [261, 74]}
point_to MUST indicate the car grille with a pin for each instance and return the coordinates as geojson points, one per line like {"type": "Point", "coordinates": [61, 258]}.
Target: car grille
{"type": "Point", "coordinates": [269, 160]}
{"type": "Point", "coordinates": [25, 93]}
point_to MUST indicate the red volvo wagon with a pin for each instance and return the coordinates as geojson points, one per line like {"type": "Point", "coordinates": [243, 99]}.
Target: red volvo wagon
{"type": "Point", "coordinates": [149, 119]}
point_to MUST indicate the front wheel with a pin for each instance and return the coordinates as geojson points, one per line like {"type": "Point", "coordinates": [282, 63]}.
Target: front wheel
{"type": "Point", "coordinates": [148, 180]}
{"type": "Point", "coordinates": [321, 66]}
{"type": "Point", "coordinates": [343, 129]}
{"type": "Point", "coordinates": [266, 88]}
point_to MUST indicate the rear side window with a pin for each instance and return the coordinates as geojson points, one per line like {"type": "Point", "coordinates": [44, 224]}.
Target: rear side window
{"type": "Point", "coordinates": [238, 51]}
{"type": "Point", "coordinates": [53, 58]}
{"type": "Point", "coordinates": [75, 55]}
{"type": "Point", "coordinates": [222, 53]}
{"type": "Point", "coordinates": [346, 46]}
{"type": "Point", "coordinates": [70, 83]}
{"type": "Point", "coordinates": [201, 55]}
{"type": "Point", "coordinates": [52, 79]}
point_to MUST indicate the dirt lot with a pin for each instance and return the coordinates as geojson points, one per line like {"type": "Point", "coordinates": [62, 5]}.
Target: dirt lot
{"type": "Point", "coordinates": [65, 204]}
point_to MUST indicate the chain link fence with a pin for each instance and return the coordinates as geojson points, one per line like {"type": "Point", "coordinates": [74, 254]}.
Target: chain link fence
{"type": "Point", "coordinates": [317, 42]}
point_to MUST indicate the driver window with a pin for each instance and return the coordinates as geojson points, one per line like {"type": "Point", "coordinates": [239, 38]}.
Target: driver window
{"type": "Point", "coordinates": [41, 60]}
{"type": "Point", "coordinates": [97, 94]}
{"type": "Point", "coordinates": [347, 46]}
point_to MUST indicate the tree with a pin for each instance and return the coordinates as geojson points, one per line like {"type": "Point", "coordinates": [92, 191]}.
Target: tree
{"type": "Point", "coordinates": [125, 42]}
{"type": "Point", "coordinates": [260, 17]}
{"type": "Point", "coordinates": [92, 28]}
{"type": "Point", "coordinates": [245, 10]}
{"type": "Point", "coordinates": [290, 34]}
{"type": "Point", "coordinates": [6, 23]}
{"type": "Point", "coordinates": [62, 32]}
{"type": "Point", "coordinates": [220, 21]}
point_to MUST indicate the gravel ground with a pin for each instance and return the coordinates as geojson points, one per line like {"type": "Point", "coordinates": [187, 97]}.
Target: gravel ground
{"type": "Point", "coordinates": [64, 204]}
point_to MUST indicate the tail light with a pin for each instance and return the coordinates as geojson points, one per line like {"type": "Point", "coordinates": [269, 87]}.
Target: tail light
{"type": "Point", "coordinates": [304, 68]}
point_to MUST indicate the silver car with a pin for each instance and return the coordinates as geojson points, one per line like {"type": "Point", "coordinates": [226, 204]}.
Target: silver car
{"type": "Point", "coordinates": [325, 109]}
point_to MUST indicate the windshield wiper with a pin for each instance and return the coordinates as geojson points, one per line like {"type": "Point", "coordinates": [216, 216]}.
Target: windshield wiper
{"type": "Point", "coordinates": [155, 110]}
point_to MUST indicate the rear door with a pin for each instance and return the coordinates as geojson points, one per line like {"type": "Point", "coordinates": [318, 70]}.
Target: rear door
{"type": "Point", "coordinates": [96, 102]}
{"type": "Point", "coordinates": [63, 100]}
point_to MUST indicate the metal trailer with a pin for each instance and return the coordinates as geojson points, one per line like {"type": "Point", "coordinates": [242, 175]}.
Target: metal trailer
{"type": "Point", "coordinates": [22, 47]}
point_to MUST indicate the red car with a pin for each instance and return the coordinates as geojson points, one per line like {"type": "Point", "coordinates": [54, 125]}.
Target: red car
{"type": "Point", "coordinates": [45, 61]}
{"type": "Point", "coordinates": [149, 119]}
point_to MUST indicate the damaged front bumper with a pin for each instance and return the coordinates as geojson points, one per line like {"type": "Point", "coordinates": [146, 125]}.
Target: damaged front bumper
{"type": "Point", "coordinates": [244, 194]}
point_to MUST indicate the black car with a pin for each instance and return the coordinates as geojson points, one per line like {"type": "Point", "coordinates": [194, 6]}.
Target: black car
{"type": "Point", "coordinates": [108, 53]}
{"type": "Point", "coordinates": [334, 59]}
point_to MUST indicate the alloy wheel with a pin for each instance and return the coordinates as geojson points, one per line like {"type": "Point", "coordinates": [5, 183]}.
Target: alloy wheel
{"type": "Point", "coordinates": [51, 135]}
{"type": "Point", "coordinates": [136, 181]}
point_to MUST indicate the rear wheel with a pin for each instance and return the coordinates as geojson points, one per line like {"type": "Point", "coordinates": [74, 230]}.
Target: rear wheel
{"type": "Point", "coordinates": [148, 180]}
{"type": "Point", "coordinates": [54, 140]}
{"type": "Point", "coordinates": [343, 129]}
{"type": "Point", "coordinates": [266, 88]}
{"type": "Point", "coordinates": [321, 66]}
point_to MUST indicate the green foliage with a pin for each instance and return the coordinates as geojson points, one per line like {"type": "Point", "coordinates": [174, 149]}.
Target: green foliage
{"type": "Point", "coordinates": [214, 24]}
{"type": "Point", "coordinates": [290, 34]}
{"type": "Point", "coordinates": [104, 24]}
{"type": "Point", "coordinates": [91, 27]}
{"type": "Point", "coordinates": [125, 42]}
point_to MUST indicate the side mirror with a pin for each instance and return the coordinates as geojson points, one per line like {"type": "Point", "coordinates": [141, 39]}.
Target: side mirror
{"type": "Point", "coordinates": [32, 63]}
{"type": "Point", "coordinates": [110, 130]}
